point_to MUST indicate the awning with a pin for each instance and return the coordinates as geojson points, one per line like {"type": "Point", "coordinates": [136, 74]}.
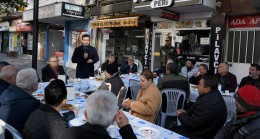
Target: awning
{"type": "Point", "coordinates": [116, 22]}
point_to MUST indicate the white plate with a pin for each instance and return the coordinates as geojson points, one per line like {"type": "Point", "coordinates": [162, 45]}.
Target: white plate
{"type": "Point", "coordinates": [148, 132]}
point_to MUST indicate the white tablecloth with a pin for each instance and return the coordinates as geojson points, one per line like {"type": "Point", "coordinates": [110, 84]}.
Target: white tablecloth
{"type": "Point", "coordinates": [134, 121]}
{"type": "Point", "coordinates": [194, 93]}
{"type": "Point", "coordinates": [126, 77]}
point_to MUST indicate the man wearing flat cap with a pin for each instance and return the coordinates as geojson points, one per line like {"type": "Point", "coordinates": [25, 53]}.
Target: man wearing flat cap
{"type": "Point", "coordinates": [112, 78]}
{"type": "Point", "coordinates": [246, 123]}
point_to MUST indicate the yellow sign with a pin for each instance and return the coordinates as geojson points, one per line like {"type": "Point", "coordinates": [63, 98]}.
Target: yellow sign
{"type": "Point", "coordinates": [118, 22]}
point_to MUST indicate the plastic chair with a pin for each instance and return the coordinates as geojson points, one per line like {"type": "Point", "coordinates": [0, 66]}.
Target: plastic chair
{"type": "Point", "coordinates": [134, 87]}
{"type": "Point", "coordinates": [231, 106]}
{"type": "Point", "coordinates": [121, 96]}
{"type": "Point", "coordinates": [173, 95]}
{"type": "Point", "coordinates": [4, 126]}
{"type": "Point", "coordinates": [71, 73]}
{"type": "Point", "coordinates": [139, 65]}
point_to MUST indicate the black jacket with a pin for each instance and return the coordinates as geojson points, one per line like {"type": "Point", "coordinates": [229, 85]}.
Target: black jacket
{"type": "Point", "coordinates": [84, 70]}
{"type": "Point", "coordinates": [125, 68]}
{"type": "Point", "coordinates": [245, 128]}
{"type": "Point", "coordinates": [88, 131]}
{"type": "Point", "coordinates": [17, 105]}
{"type": "Point", "coordinates": [116, 83]}
{"type": "Point", "coordinates": [205, 117]}
{"type": "Point", "coordinates": [45, 123]}
{"type": "Point", "coordinates": [229, 83]}
{"type": "Point", "coordinates": [48, 73]}
{"type": "Point", "coordinates": [3, 85]}
{"type": "Point", "coordinates": [249, 81]}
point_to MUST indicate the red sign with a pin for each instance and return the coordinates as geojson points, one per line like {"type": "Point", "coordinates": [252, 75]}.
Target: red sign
{"type": "Point", "coordinates": [23, 27]}
{"type": "Point", "coordinates": [170, 15]}
{"type": "Point", "coordinates": [244, 21]}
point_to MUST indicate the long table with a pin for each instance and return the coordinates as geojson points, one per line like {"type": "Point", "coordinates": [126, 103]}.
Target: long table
{"type": "Point", "coordinates": [135, 122]}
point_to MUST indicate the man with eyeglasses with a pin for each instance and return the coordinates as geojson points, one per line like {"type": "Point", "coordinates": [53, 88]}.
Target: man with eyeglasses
{"type": "Point", "coordinates": [167, 52]}
{"type": "Point", "coordinates": [52, 70]}
{"type": "Point", "coordinates": [129, 67]}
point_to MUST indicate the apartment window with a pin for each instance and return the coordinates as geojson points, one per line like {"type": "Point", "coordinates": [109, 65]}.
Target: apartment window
{"type": "Point", "coordinates": [243, 46]}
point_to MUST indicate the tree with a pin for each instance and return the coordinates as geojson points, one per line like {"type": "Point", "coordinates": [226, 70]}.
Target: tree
{"type": "Point", "coordinates": [10, 7]}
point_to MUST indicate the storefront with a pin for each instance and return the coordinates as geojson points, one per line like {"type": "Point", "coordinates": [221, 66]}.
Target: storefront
{"type": "Point", "coordinates": [188, 23]}
{"type": "Point", "coordinates": [19, 37]}
{"type": "Point", "coordinates": [4, 36]}
{"type": "Point", "coordinates": [242, 43]}
{"type": "Point", "coordinates": [53, 16]}
{"type": "Point", "coordinates": [122, 37]}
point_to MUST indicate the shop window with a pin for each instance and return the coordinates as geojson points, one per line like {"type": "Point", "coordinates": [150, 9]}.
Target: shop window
{"type": "Point", "coordinates": [243, 46]}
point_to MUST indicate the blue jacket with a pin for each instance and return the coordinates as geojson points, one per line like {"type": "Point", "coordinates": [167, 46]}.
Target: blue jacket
{"type": "Point", "coordinates": [84, 69]}
{"type": "Point", "coordinates": [17, 105]}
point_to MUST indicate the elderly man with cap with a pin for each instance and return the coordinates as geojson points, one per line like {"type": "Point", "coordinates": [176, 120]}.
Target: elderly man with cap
{"type": "Point", "coordinates": [112, 79]}
{"type": "Point", "coordinates": [246, 124]}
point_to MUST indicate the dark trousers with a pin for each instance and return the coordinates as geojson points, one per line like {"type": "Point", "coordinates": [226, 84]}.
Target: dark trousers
{"type": "Point", "coordinates": [24, 49]}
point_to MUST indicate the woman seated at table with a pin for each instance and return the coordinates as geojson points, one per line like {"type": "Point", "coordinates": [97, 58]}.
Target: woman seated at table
{"type": "Point", "coordinates": [112, 82]}
{"type": "Point", "coordinates": [148, 100]}
{"type": "Point", "coordinates": [110, 60]}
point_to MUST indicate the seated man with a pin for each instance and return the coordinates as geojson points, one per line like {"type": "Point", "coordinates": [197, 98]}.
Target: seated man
{"type": "Point", "coordinates": [52, 70]}
{"type": "Point", "coordinates": [227, 80]}
{"type": "Point", "coordinates": [253, 77]}
{"type": "Point", "coordinates": [110, 60]}
{"type": "Point", "coordinates": [246, 124]}
{"type": "Point", "coordinates": [7, 77]}
{"type": "Point", "coordinates": [46, 121]}
{"type": "Point", "coordinates": [190, 68]}
{"type": "Point", "coordinates": [172, 76]}
{"type": "Point", "coordinates": [17, 101]}
{"type": "Point", "coordinates": [101, 111]}
{"type": "Point", "coordinates": [129, 67]}
{"type": "Point", "coordinates": [203, 70]}
{"type": "Point", "coordinates": [112, 77]}
{"type": "Point", "coordinates": [207, 115]}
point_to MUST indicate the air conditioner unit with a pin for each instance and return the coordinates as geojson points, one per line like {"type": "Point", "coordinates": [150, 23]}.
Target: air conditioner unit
{"type": "Point", "coordinates": [90, 2]}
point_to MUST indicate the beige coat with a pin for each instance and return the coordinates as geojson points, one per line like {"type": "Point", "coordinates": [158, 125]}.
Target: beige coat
{"type": "Point", "coordinates": [147, 104]}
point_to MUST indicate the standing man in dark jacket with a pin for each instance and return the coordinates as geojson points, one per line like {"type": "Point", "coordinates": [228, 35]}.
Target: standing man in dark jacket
{"type": "Point", "coordinates": [101, 111]}
{"type": "Point", "coordinates": [207, 115]}
{"type": "Point", "coordinates": [227, 80]}
{"type": "Point", "coordinates": [17, 101]}
{"type": "Point", "coordinates": [46, 122]}
{"type": "Point", "coordinates": [85, 56]}
{"type": "Point", "coordinates": [246, 124]}
{"type": "Point", "coordinates": [52, 70]}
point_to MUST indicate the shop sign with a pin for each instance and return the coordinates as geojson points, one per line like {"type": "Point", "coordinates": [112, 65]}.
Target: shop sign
{"type": "Point", "coordinates": [119, 22]}
{"type": "Point", "coordinates": [147, 48]}
{"type": "Point", "coordinates": [24, 27]}
{"type": "Point", "coordinates": [218, 30]}
{"type": "Point", "coordinates": [170, 15]}
{"type": "Point", "coordinates": [161, 3]}
{"type": "Point", "coordinates": [72, 10]}
{"type": "Point", "coordinates": [4, 26]}
{"type": "Point", "coordinates": [244, 21]}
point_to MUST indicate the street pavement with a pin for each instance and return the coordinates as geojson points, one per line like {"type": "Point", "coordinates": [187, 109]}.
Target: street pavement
{"type": "Point", "coordinates": [24, 61]}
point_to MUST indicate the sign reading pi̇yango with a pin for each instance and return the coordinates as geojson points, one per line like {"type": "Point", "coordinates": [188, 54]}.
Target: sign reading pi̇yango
{"type": "Point", "coordinates": [118, 22]}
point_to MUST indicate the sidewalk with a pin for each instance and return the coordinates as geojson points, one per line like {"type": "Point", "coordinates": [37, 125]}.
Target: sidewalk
{"type": "Point", "coordinates": [25, 61]}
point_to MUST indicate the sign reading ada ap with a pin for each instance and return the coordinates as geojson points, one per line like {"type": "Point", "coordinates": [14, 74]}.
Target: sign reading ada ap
{"type": "Point", "coordinates": [161, 3]}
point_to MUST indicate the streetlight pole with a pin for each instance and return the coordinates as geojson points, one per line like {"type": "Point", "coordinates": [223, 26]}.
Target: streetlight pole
{"type": "Point", "coordinates": [35, 33]}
